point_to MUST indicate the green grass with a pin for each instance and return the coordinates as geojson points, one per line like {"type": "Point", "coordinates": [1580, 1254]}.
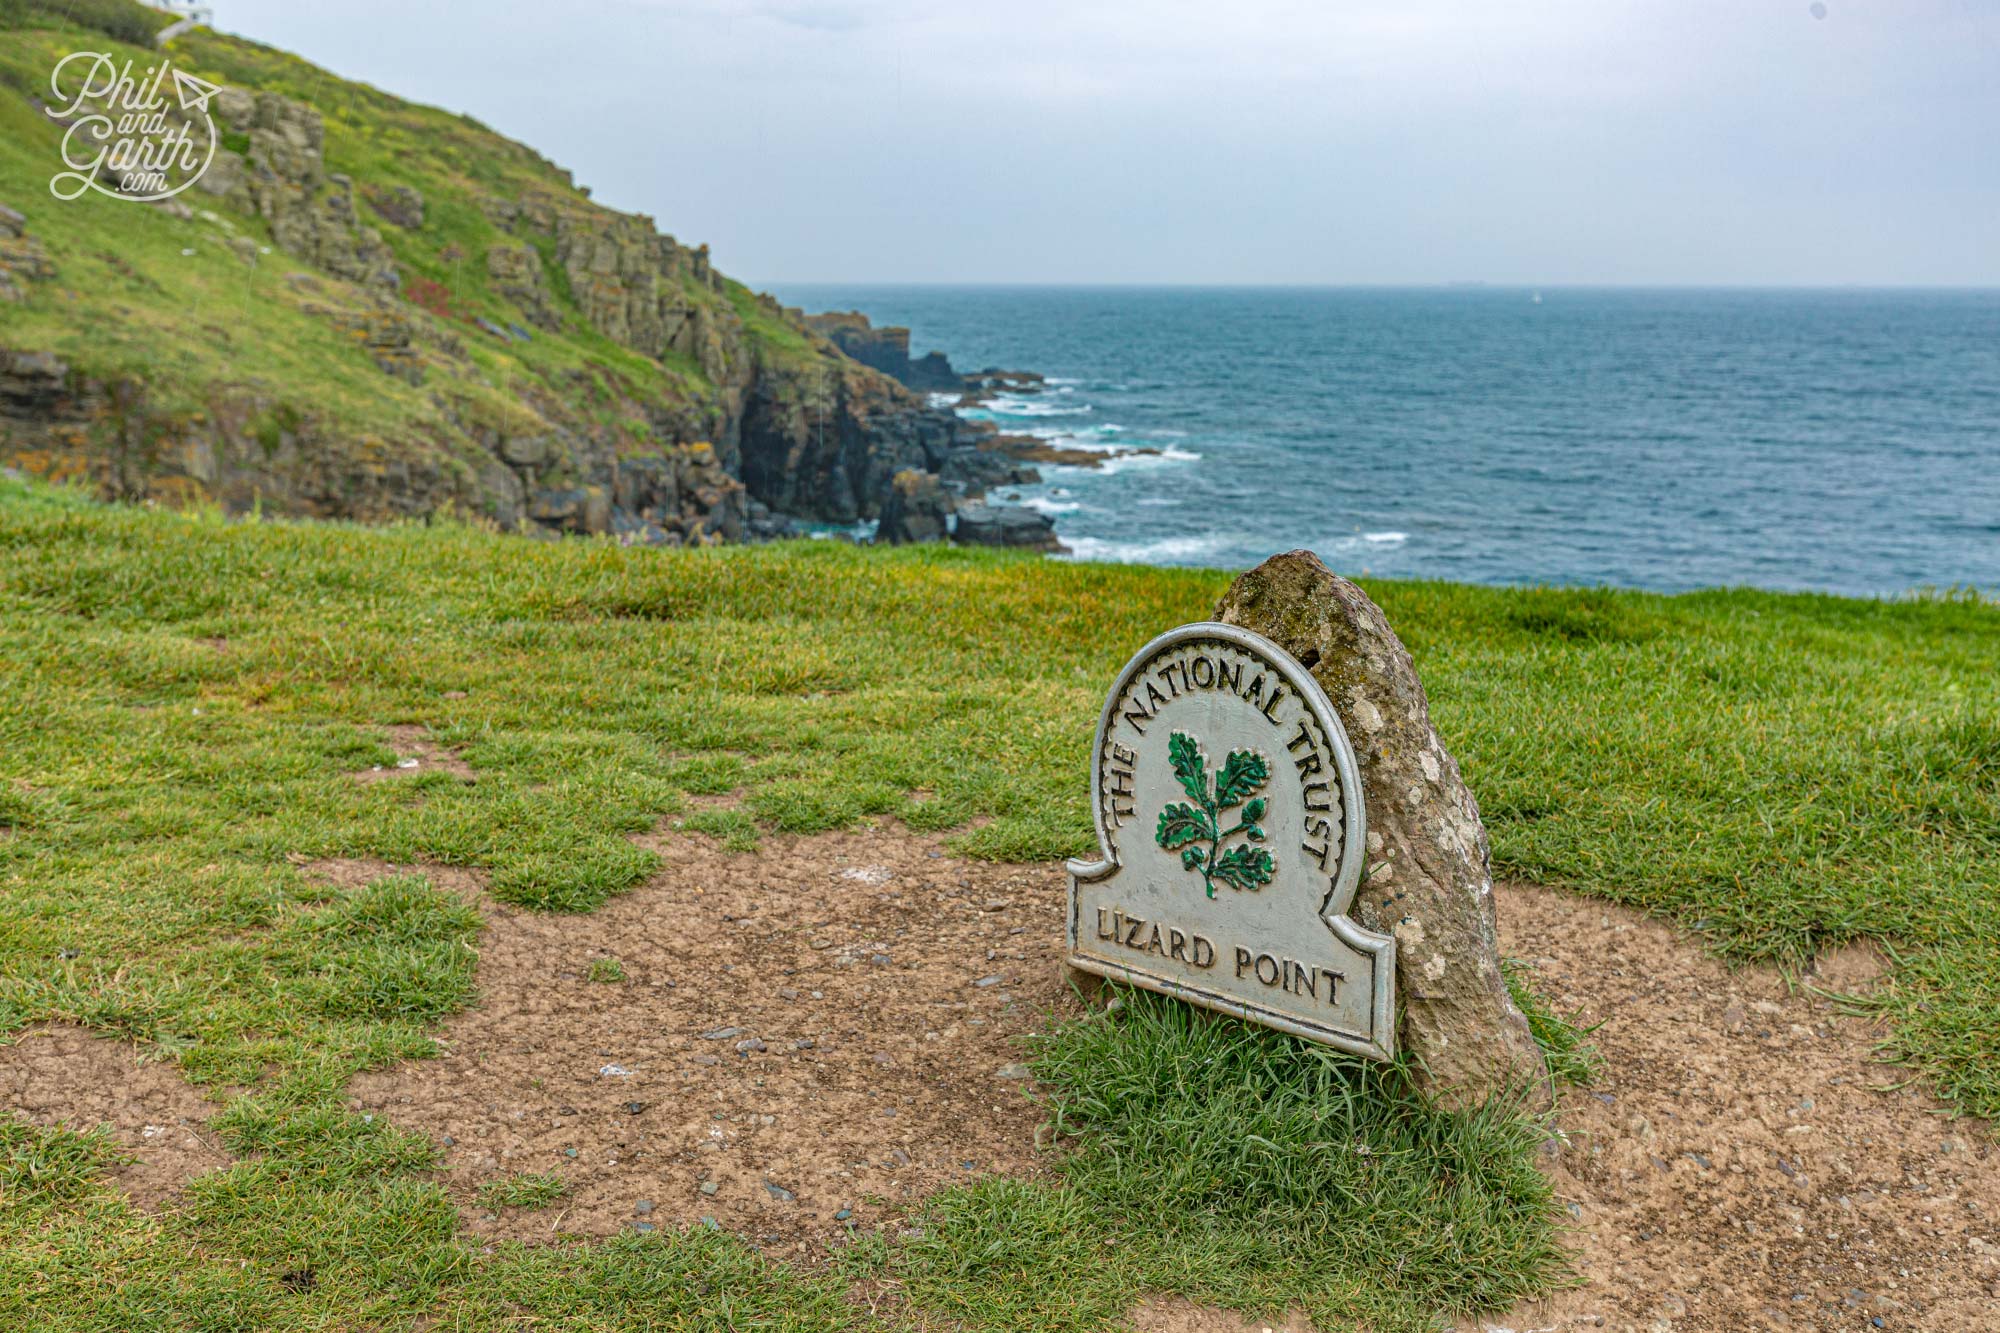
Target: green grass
{"type": "Point", "coordinates": [122, 20]}
{"type": "Point", "coordinates": [1571, 1057]}
{"type": "Point", "coordinates": [140, 295]}
{"type": "Point", "coordinates": [187, 697]}
{"type": "Point", "coordinates": [42, 1165]}
{"type": "Point", "coordinates": [1242, 1167]}
{"type": "Point", "coordinates": [529, 1190]}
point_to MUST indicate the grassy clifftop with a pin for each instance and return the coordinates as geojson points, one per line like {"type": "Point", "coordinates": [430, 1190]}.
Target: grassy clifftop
{"type": "Point", "coordinates": [1783, 774]}
{"type": "Point", "coordinates": [369, 308]}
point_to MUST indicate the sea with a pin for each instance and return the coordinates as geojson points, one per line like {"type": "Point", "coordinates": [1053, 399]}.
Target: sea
{"type": "Point", "coordinates": [1843, 441]}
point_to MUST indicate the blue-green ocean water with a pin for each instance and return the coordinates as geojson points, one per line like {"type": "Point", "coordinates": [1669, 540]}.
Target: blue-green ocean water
{"type": "Point", "coordinates": [1845, 441]}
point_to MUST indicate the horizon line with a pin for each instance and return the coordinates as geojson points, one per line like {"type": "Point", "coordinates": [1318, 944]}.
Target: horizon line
{"type": "Point", "coordinates": [1451, 285]}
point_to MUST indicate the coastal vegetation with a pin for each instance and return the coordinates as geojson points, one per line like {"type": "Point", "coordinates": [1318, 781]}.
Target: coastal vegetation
{"type": "Point", "coordinates": [389, 312]}
{"type": "Point", "coordinates": [189, 694]}
{"type": "Point", "coordinates": [366, 308]}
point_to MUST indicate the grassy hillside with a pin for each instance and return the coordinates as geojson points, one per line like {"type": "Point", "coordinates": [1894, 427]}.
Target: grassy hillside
{"type": "Point", "coordinates": [367, 308]}
{"type": "Point", "coordinates": [188, 322]}
{"type": "Point", "coordinates": [1781, 773]}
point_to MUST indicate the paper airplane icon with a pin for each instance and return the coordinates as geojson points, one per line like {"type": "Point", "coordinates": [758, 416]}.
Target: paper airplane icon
{"type": "Point", "coordinates": [194, 93]}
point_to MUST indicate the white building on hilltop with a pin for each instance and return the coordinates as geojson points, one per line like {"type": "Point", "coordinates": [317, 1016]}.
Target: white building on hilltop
{"type": "Point", "coordinates": [193, 11]}
{"type": "Point", "coordinates": [187, 14]}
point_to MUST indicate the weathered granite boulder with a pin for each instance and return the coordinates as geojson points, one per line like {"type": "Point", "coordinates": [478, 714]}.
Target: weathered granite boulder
{"type": "Point", "coordinates": [762, 524]}
{"type": "Point", "coordinates": [224, 175]}
{"type": "Point", "coordinates": [1005, 525]}
{"type": "Point", "coordinates": [1429, 880]}
{"type": "Point", "coordinates": [572, 508]}
{"type": "Point", "coordinates": [918, 509]}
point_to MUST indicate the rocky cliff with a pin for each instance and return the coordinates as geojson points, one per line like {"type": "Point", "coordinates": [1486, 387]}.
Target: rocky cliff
{"type": "Point", "coordinates": [396, 313]}
{"type": "Point", "coordinates": [886, 349]}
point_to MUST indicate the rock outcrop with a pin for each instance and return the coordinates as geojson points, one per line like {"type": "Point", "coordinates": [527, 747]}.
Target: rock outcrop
{"type": "Point", "coordinates": [918, 510]}
{"type": "Point", "coordinates": [399, 205]}
{"type": "Point", "coordinates": [1429, 880]}
{"type": "Point", "coordinates": [516, 271]}
{"type": "Point", "coordinates": [886, 349]}
{"type": "Point", "coordinates": [740, 420]}
{"type": "Point", "coordinates": [979, 524]}
{"type": "Point", "coordinates": [23, 259]}
{"type": "Point", "coordinates": [311, 212]}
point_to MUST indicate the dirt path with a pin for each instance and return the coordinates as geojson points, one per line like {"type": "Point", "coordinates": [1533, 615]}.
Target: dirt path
{"type": "Point", "coordinates": [1735, 1166]}
{"type": "Point", "coordinates": [814, 1036]}
{"type": "Point", "coordinates": [802, 1040]}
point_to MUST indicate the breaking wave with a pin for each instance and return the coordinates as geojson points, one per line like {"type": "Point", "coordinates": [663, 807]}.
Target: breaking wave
{"type": "Point", "coordinates": [1160, 551]}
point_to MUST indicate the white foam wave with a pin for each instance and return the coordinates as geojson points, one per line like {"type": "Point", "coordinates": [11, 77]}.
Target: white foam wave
{"type": "Point", "coordinates": [1118, 462]}
{"type": "Point", "coordinates": [1043, 504]}
{"type": "Point", "coordinates": [1162, 551]}
{"type": "Point", "coordinates": [1362, 541]}
{"type": "Point", "coordinates": [1086, 441]}
{"type": "Point", "coordinates": [1005, 405]}
{"type": "Point", "coordinates": [1102, 428]}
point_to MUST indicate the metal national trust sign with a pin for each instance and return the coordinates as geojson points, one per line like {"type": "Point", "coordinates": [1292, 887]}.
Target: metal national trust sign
{"type": "Point", "coordinates": [1230, 822]}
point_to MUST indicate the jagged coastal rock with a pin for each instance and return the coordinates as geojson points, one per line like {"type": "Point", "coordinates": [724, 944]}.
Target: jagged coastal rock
{"type": "Point", "coordinates": [1429, 880]}
{"type": "Point", "coordinates": [887, 349]}
{"type": "Point", "coordinates": [919, 509]}
{"type": "Point", "coordinates": [982, 524]}
{"type": "Point", "coordinates": [725, 417]}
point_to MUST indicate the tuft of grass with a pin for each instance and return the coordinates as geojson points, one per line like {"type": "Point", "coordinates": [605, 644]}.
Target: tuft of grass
{"type": "Point", "coordinates": [737, 829]}
{"type": "Point", "coordinates": [1572, 1059]}
{"type": "Point", "coordinates": [608, 971]}
{"type": "Point", "coordinates": [1233, 1165]}
{"type": "Point", "coordinates": [42, 1165]}
{"type": "Point", "coordinates": [522, 1191]}
{"type": "Point", "coordinates": [396, 950]}
{"type": "Point", "coordinates": [700, 1280]}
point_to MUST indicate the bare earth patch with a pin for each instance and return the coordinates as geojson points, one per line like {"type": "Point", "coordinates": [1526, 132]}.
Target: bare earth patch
{"type": "Point", "coordinates": [824, 1026]}
{"type": "Point", "coordinates": [353, 872]}
{"type": "Point", "coordinates": [415, 753]}
{"type": "Point", "coordinates": [1735, 1166]}
{"type": "Point", "coordinates": [803, 1031]}
{"type": "Point", "coordinates": [56, 1074]}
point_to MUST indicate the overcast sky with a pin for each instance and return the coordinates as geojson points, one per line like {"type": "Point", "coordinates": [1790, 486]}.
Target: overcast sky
{"type": "Point", "coordinates": [1237, 141]}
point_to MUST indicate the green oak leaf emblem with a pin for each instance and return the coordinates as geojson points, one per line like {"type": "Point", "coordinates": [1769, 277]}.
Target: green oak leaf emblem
{"type": "Point", "coordinates": [1195, 830]}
